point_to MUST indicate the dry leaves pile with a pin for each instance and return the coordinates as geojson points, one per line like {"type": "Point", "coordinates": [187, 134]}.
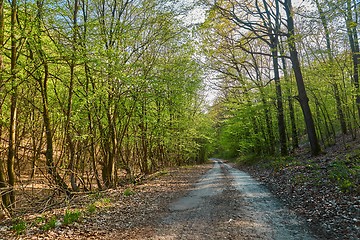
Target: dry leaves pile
{"type": "Point", "coordinates": [129, 212]}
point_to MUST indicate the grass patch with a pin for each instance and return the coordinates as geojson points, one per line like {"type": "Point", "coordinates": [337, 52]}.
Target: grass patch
{"type": "Point", "coordinates": [96, 195]}
{"type": "Point", "coordinates": [19, 226]}
{"type": "Point", "coordinates": [71, 217]}
{"type": "Point", "coordinates": [91, 208]}
{"type": "Point", "coordinates": [128, 192]}
{"type": "Point", "coordinates": [51, 224]}
{"type": "Point", "coordinates": [39, 220]}
{"type": "Point", "coordinates": [103, 202]}
{"type": "Point", "coordinates": [345, 174]}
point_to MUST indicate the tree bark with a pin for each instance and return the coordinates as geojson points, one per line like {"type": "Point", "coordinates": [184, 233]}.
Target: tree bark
{"type": "Point", "coordinates": [294, 131]}
{"type": "Point", "coordinates": [13, 108]}
{"type": "Point", "coordinates": [68, 130]}
{"type": "Point", "coordinates": [3, 184]}
{"type": "Point", "coordinates": [51, 168]}
{"type": "Point", "coordinates": [273, 25]}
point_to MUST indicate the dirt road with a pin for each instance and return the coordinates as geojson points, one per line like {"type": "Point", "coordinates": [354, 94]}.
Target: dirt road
{"type": "Point", "coordinates": [228, 204]}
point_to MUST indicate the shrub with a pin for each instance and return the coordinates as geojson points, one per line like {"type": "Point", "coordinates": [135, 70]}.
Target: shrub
{"type": "Point", "coordinates": [71, 216]}
{"type": "Point", "coordinates": [19, 227]}
{"type": "Point", "coordinates": [91, 208]}
{"type": "Point", "coordinates": [50, 224]}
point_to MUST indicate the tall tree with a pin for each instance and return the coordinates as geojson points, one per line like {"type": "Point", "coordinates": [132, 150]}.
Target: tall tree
{"type": "Point", "coordinates": [43, 80]}
{"type": "Point", "coordinates": [302, 97]}
{"type": "Point", "coordinates": [4, 197]}
{"type": "Point", "coordinates": [13, 108]}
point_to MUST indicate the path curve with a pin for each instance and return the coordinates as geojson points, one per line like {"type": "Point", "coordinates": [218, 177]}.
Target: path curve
{"type": "Point", "coordinates": [227, 203]}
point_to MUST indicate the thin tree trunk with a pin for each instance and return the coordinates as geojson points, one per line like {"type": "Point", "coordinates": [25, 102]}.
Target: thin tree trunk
{"type": "Point", "coordinates": [13, 108]}
{"type": "Point", "coordinates": [89, 84]}
{"type": "Point", "coordinates": [273, 23]}
{"type": "Point", "coordinates": [51, 168]}
{"type": "Point", "coordinates": [280, 108]}
{"type": "Point", "coordinates": [68, 130]}
{"type": "Point", "coordinates": [294, 131]}
{"type": "Point", "coordinates": [4, 196]}
{"type": "Point", "coordinates": [92, 132]}
{"type": "Point", "coordinates": [269, 128]}
{"type": "Point", "coordinates": [42, 81]}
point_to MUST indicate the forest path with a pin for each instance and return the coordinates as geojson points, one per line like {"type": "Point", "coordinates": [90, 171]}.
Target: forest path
{"type": "Point", "coordinates": [228, 204]}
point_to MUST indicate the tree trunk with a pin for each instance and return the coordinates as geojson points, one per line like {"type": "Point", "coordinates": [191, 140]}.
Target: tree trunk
{"type": "Point", "coordinates": [51, 168]}
{"type": "Point", "coordinates": [279, 101]}
{"type": "Point", "coordinates": [294, 131]}
{"type": "Point", "coordinates": [269, 128]}
{"type": "Point", "coordinates": [4, 196]}
{"type": "Point", "coordinates": [68, 130]}
{"type": "Point", "coordinates": [92, 131]}
{"type": "Point", "coordinates": [303, 98]}
{"type": "Point", "coordinates": [13, 108]}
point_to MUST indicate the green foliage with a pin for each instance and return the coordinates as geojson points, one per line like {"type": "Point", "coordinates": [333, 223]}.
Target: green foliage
{"type": "Point", "coordinates": [19, 226]}
{"type": "Point", "coordinates": [128, 192]}
{"type": "Point", "coordinates": [71, 216]}
{"type": "Point", "coordinates": [96, 195]}
{"type": "Point", "coordinates": [50, 224]}
{"type": "Point", "coordinates": [102, 202]}
{"type": "Point", "coordinates": [251, 159]}
{"type": "Point", "coordinates": [125, 82]}
{"type": "Point", "coordinates": [91, 208]}
{"type": "Point", "coordinates": [39, 220]}
{"type": "Point", "coordinates": [345, 176]}
{"type": "Point", "coordinates": [106, 200]}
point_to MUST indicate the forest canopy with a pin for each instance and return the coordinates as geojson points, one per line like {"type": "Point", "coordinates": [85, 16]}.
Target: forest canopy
{"type": "Point", "coordinates": [287, 74]}
{"type": "Point", "coordinates": [93, 93]}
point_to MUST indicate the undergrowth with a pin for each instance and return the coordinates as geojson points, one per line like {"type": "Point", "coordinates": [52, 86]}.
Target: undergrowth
{"type": "Point", "coordinates": [346, 174]}
{"type": "Point", "coordinates": [343, 173]}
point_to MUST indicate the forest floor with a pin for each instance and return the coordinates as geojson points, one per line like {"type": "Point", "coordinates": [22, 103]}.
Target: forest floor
{"type": "Point", "coordinates": [323, 190]}
{"type": "Point", "coordinates": [128, 212]}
